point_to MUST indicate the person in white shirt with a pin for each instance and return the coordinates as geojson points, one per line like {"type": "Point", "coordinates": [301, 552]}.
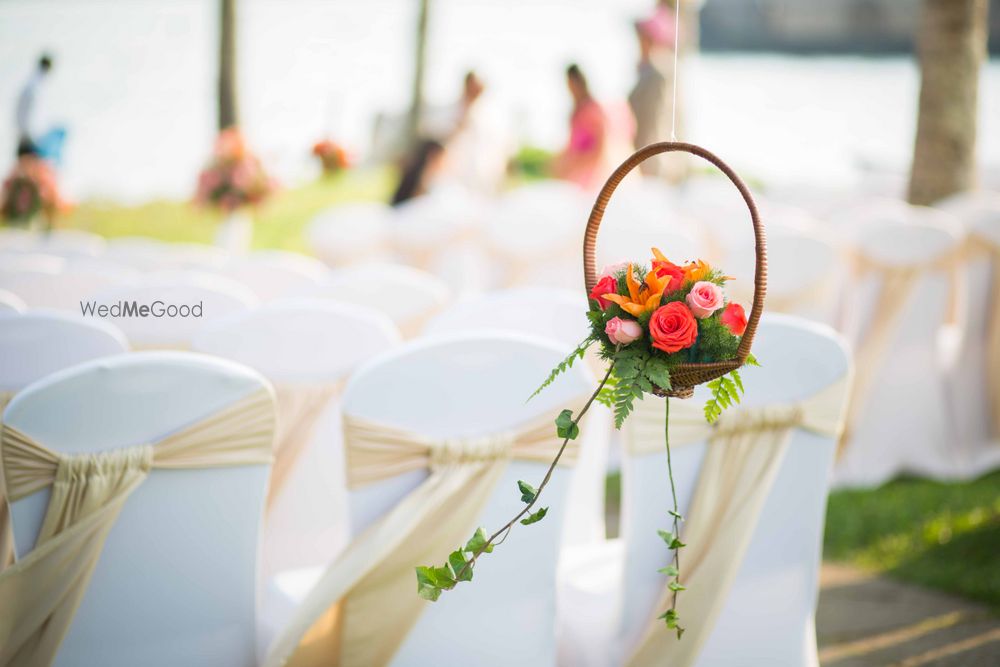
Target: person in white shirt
{"type": "Point", "coordinates": [26, 113]}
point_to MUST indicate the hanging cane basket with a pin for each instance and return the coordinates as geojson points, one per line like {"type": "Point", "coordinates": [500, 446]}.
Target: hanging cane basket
{"type": "Point", "coordinates": [686, 376]}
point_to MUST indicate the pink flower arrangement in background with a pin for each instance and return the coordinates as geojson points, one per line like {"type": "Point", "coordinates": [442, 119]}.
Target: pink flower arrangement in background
{"type": "Point", "coordinates": [31, 189]}
{"type": "Point", "coordinates": [332, 156]}
{"type": "Point", "coordinates": [234, 176]}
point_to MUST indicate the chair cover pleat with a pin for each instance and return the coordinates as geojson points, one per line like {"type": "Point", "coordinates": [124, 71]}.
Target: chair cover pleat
{"type": "Point", "coordinates": [745, 449]}
{"type": "Point", "coordinates": [366, 603]}
{"type": "Point", "coordinates": [39, 594]}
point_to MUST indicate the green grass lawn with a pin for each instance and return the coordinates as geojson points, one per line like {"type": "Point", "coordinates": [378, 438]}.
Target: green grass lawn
{"type": "Point", "coordinates": [943, 536]}
{"type": "Point", "coordinates": [279, 223]}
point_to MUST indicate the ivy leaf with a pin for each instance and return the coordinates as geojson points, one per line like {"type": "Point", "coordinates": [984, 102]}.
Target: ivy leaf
{"type": "Point", "coordinates": [676, 544]}
{"type": "Point", "coordinates": [534, 517]}
{"type": "Point", "coordinates": [528, 492]}
{"type": "Point", "coordinates": [431, 581]}
{"type": "Point", "coordinates": [459, 565]}
{"type": "Point", "coordinates": [670, 570]}
{"type": "Point", "coordinates": [676, 586]}
{"type": "Point", "coordinates": [680, 632]}
{"type": "Point", "coordinates": [477, 543]}
{"type": "Point", "coordinates": [426, 586]}
{"type": "Point", "coordinates": [671, 617]}
{"type": "Point", "coordinates": [676, 515]}
{"type": "Point", "coordinates": [565, 428]}
{"type": "Point", "coordinates": [666, 536]}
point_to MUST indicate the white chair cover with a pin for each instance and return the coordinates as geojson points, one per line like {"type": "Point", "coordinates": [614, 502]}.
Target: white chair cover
{"type": "Point", "coordinates": [408, 296]}
{"type": "Point", "coordinates": [364, 605]}
{"type": "Point", "coordinates": [306, 348]}
{"type": "Point", "coordinates": [907, 305]}
{"type": "Point", "coordinates": [42, 591]}
{"type": "Point", "coordinates": [752, 490]}
{"type": "Point", "coordinates": [745, 450]}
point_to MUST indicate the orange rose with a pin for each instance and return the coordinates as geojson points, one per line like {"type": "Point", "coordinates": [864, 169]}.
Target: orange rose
{"type": "Point", "coordinates": [673, 327]}
{"type": "Point", "coordinates": [735, 318]}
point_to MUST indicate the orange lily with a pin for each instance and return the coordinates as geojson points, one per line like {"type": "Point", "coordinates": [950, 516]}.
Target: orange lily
{"type": "Point", "coordinates": [696, 270]}
{"type": "Point", "coordinates": [642, 297]}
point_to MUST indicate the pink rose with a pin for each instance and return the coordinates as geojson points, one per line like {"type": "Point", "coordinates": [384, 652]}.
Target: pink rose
{"type": "Point", "coordinates": [704, 299]}
{"type": "Point", "coordinates": [614, 269]}
{"type": "Point", "coordinates": [623, 332]}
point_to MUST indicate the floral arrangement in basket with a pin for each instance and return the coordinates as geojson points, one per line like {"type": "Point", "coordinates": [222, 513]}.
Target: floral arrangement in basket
{"type": "Point", "coordinates": [234, 176]}
{"type": "Point", "coordinates": [31, 190]}
{"type": "Point", "coordinates": [332, 156]}
{"type": "Point", "coordinates": [663, 329]}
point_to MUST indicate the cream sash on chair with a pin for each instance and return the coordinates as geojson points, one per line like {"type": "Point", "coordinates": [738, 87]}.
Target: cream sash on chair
{"type": "Point", "coordinates": [975, 246]}
{"type": "Point", "coordinates": [40, 593]}
{"type": "Point", "coordinates": [363, 607]}
{"type": "Point", "coordinates": [894, 292]}
{"type": "Point", "coordinates": [745, 450]}
{"type": "Point", "coordinates": [299, 408]}
{"type": "Point", "coordinates": [6, 537]}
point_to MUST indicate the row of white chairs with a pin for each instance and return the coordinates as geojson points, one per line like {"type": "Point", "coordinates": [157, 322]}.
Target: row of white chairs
{"type": "Point", "coordinates": [159, 596]}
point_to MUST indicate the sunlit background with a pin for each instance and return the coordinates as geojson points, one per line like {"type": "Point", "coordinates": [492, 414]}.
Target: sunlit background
{"type": "Point", "coordinates": [134, 83]}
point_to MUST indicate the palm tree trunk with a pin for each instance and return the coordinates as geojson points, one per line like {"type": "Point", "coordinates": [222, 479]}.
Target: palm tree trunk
{"type": "Point", "coordinates": [420, 57]}
{"type": "Point", "coordinates": [951, 45]}
{"type": "Point", "coordinates": [228, 116]}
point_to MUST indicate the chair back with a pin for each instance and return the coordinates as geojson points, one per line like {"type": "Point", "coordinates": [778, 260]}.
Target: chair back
{"type": "Point", "coordinates": [549, 312]}
{"type": "Point", "coordinates": [175, 581]}
{"type": "Point", "coordinates": [36, 344]}
{"type": "Point", "coordinates": [464, 386]}
{"type": "Point", "coordinates": [767, 616]}
{"type": "Point", "coordinates": [350, 233]}
{"type": "Point", "coordinates": [306, 348]}
{"type": "Point", "coordinates": [408, 296]}
{"type": "Point", "coordinates": [275, 274]}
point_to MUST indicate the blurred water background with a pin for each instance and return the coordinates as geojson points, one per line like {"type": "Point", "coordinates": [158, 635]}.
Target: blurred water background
{"type": "Point", "coordinates": [135, 81]}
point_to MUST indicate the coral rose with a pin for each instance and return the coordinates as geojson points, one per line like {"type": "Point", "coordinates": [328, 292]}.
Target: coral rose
{"type": "Point", "coordinates": [673, 327]}
{"type": "Point", "coordinates": [735, 318]}
{"type": "Point", "coordinates": [664, 268]}
{"type": "Point", "coordinates": [704, 299]}
{"type": "Point", "coordinates": [606, 285]}
{"type": "Point", "coordinates": [673, 273]}
{"type": "Point", "coordinates": [623, 332]}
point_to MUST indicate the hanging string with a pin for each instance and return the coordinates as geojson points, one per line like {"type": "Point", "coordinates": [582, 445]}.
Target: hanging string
{"type": "Point", "coordinates": [677, 48]}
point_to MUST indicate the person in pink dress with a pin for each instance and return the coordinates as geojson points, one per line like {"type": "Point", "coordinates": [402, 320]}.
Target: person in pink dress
{"type": "Point", "coordinates": [584, 159]}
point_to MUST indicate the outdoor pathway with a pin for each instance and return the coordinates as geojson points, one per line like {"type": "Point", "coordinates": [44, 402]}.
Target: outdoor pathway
{"type": "Point", "coordinates": [865, 620]}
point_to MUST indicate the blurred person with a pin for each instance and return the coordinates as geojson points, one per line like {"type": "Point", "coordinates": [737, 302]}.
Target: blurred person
{"type": "Point", "coordinates": [476, 142]}
{"type": "Point", "coordinates": [584, 158]}
{"type": "Point", "coordinates": [26, 111]}
{"type": "Point", "coordinates": [651, 99]}
{"type": "Point", "coordinates": [420, 170]}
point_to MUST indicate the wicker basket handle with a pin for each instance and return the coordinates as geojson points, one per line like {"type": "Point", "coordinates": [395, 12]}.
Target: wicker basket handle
{"type": "Point", "coordinates": [760, 243]}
